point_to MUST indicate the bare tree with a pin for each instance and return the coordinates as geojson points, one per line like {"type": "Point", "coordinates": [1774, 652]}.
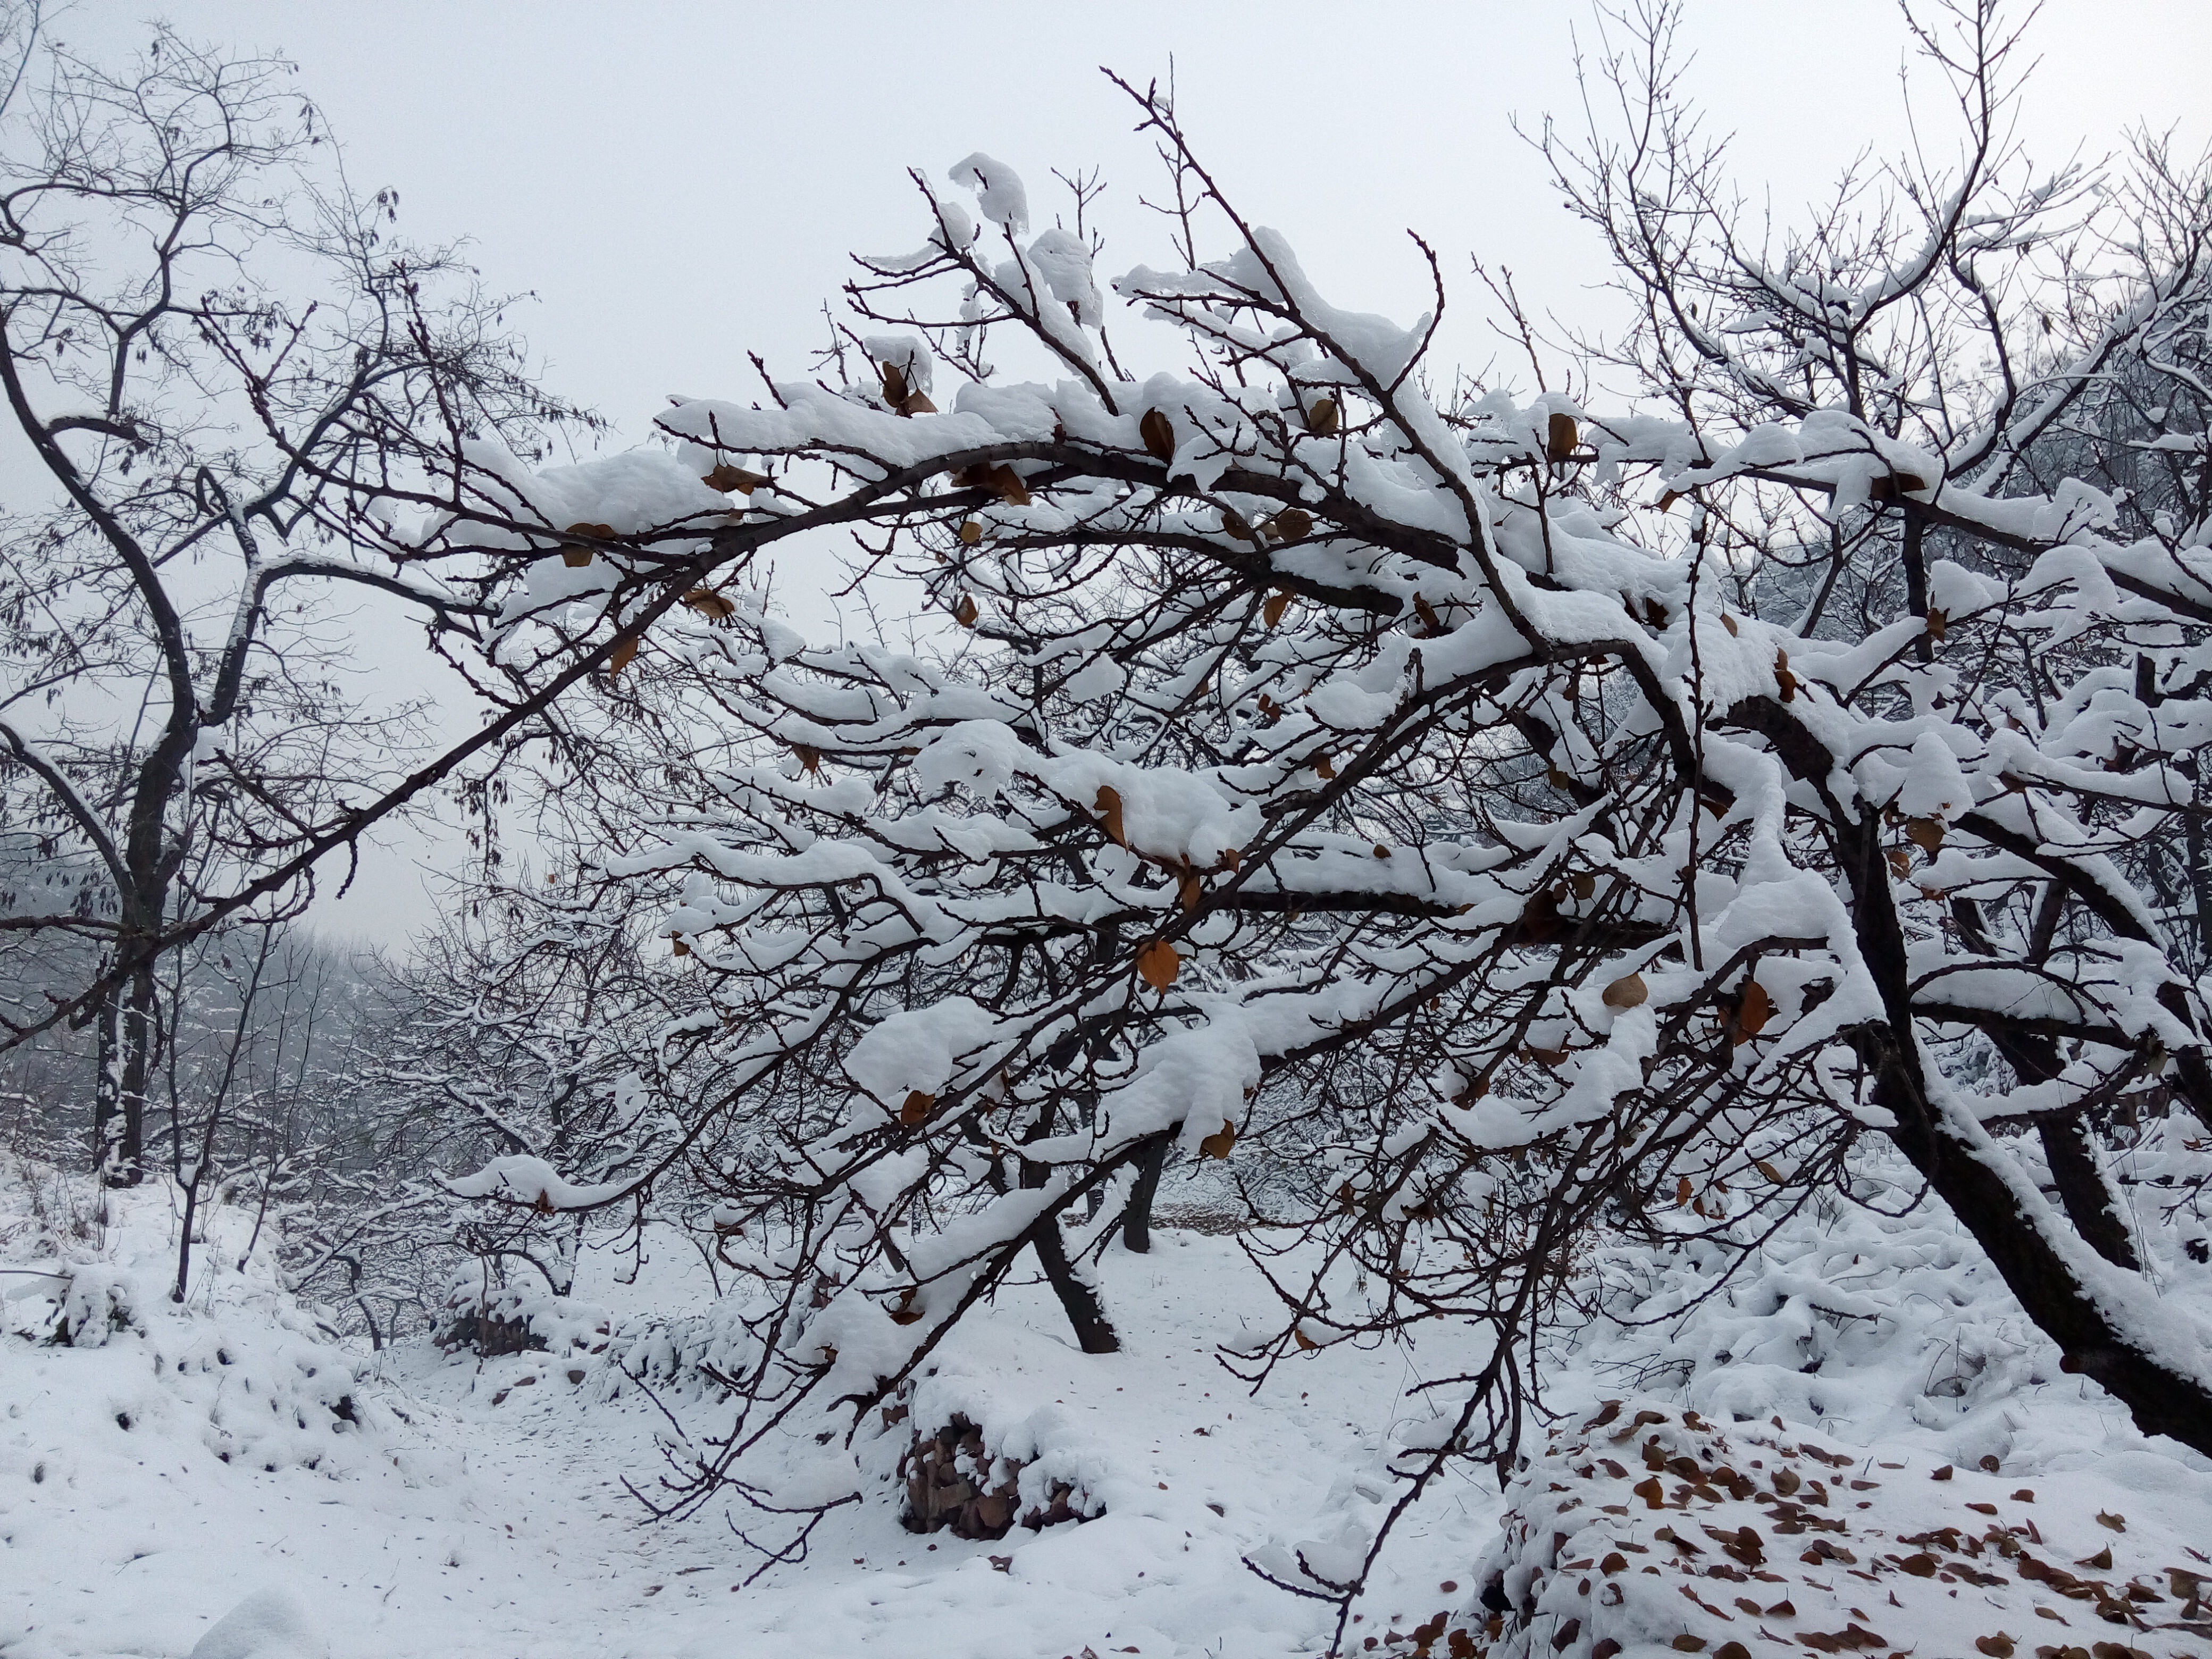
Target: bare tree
{"type": "Point", "coordinates": [244, 404]}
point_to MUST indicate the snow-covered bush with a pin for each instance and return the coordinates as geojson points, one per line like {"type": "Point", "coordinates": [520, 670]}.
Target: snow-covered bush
{"type": "Point", "coordinates": [240, 1366]}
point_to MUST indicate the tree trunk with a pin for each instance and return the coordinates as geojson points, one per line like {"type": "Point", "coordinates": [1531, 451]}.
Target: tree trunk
{"type": "Point", "coordinates": [2083, 1189]}
{"type": "Point", "coordinates": [124, 1059]}
{"type": "Point", "coordinates": [2163, 1399]}
{"type": "Point", "coordinates": [1093, 1332]}
{"type": "Point", "coordinates": [1137, 1219]}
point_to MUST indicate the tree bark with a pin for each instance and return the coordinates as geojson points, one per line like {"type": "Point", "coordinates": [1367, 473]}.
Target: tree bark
{"type": "Point", "coordinates": [124, 1063]}
{"type": "Point", "coordinates": [2161, 1400]}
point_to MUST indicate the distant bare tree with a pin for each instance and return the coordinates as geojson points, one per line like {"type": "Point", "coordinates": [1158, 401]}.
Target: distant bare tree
{"type": "Point", "coordinates": [215, 463]}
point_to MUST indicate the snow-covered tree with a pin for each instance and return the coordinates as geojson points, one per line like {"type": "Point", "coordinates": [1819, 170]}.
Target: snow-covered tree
{"type": "Point", "coordinates": [1549, 815]}
{"type": "Point", "coordinates": [503, 1072]}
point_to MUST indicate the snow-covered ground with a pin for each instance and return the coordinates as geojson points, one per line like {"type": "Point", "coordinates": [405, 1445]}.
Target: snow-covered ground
{"type": "Point", "coordinates": [476, 1507]}
{"type": "Point", "coordinates": [413, 1503]}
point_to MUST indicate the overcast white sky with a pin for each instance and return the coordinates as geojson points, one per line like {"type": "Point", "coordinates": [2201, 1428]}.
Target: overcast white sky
{"type": "Point", "coordinates": [679, 183]}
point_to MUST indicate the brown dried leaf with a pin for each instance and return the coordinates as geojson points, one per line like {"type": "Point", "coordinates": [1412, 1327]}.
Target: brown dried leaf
{"type": "Point", "coordinates": [1292, 524]}
{"type": "Point", "coordinates": [710, 605]}
{"type": "Point", "coordinates": [916, 403]}
{"type": "Point", "coordinates": [1900, 862]}
{"type": "Point", "coordinates": [1682, 1193]}
{"type": "Point", "coordinates": [1321, 419]}
{"type": "Point", "coordinates": [1109, 808]}
{"type": "Point", "coordinates": [1188, 891]}
{"type": "Point", "coordinates": [1667, 501]}
{"type": "Point", "coordinates": [1427, 613]}
{"type": "Point", "coordinates": [1159, 433]}
{"type": "Point", "coordinates": [894, 384]}
{"type": "Point", "coordinates": [1158, 964]}
{"type": "Point", "coordinates": [1582, 884]}
{"type": "Point", "coordinates": [808, 757]}
{"type": "Point", "coordinates": [1757, 1009]}
{"type": "Point", "coordinates": [1560, 437]}
{"type": "Point", "coordinates": [676, 946]}
{"type": "Point", "coordinates": [1325, 768]}
{"type": "Point", "coordinates": [2117, 1522]}
{"type": "Point", "coordinates": [1008, 482]}
{"type": "Point", "coordinates": [966, 612]}
{"type": "Point", "coordinates": [971, 532]}
{"type": "Point", "coordinates": [625, 652]}
{"type": "Point", "coordinates": [1775, 1175]}
{"type": "Point", "coordinates": [1271, 612]}
{"type": "Point", "coordinates": [605, 533]}
{"type": "Point", "coordinates": [1999, 1646]}
{"type": "Point", "coordinates": [917, 1108]}
{"type": "Point", "coordinates": [1539, 917]}
{"type": "Point", "coordinates": [1937, 621]}
{"type": "Point", "coordinates": [1926, 834]}
{"type": "Point", "coordinates": [1220, 1143]}
{"type": "Point", "coordinates": [734, 479]}
{"type": "Point", "coordinates": [1236, 523]}
{"type": "Point", "coordinates": [1627, 992]}
{"type": "Point", "coordinates": [1728, 622]}
{"type": "Point", "coordinates": [1305, 1343]}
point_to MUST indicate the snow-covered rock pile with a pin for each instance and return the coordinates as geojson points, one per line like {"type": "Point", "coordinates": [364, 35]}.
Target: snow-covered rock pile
{"type": "Point", "coordinates": [492, 1320]}
{"type": "Point", "coordinates": [986, 1452]}
{"type": "Point", "coordinates": [956, 1482]}
{"type": "Point", "coordinates": [1651, 1529]}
